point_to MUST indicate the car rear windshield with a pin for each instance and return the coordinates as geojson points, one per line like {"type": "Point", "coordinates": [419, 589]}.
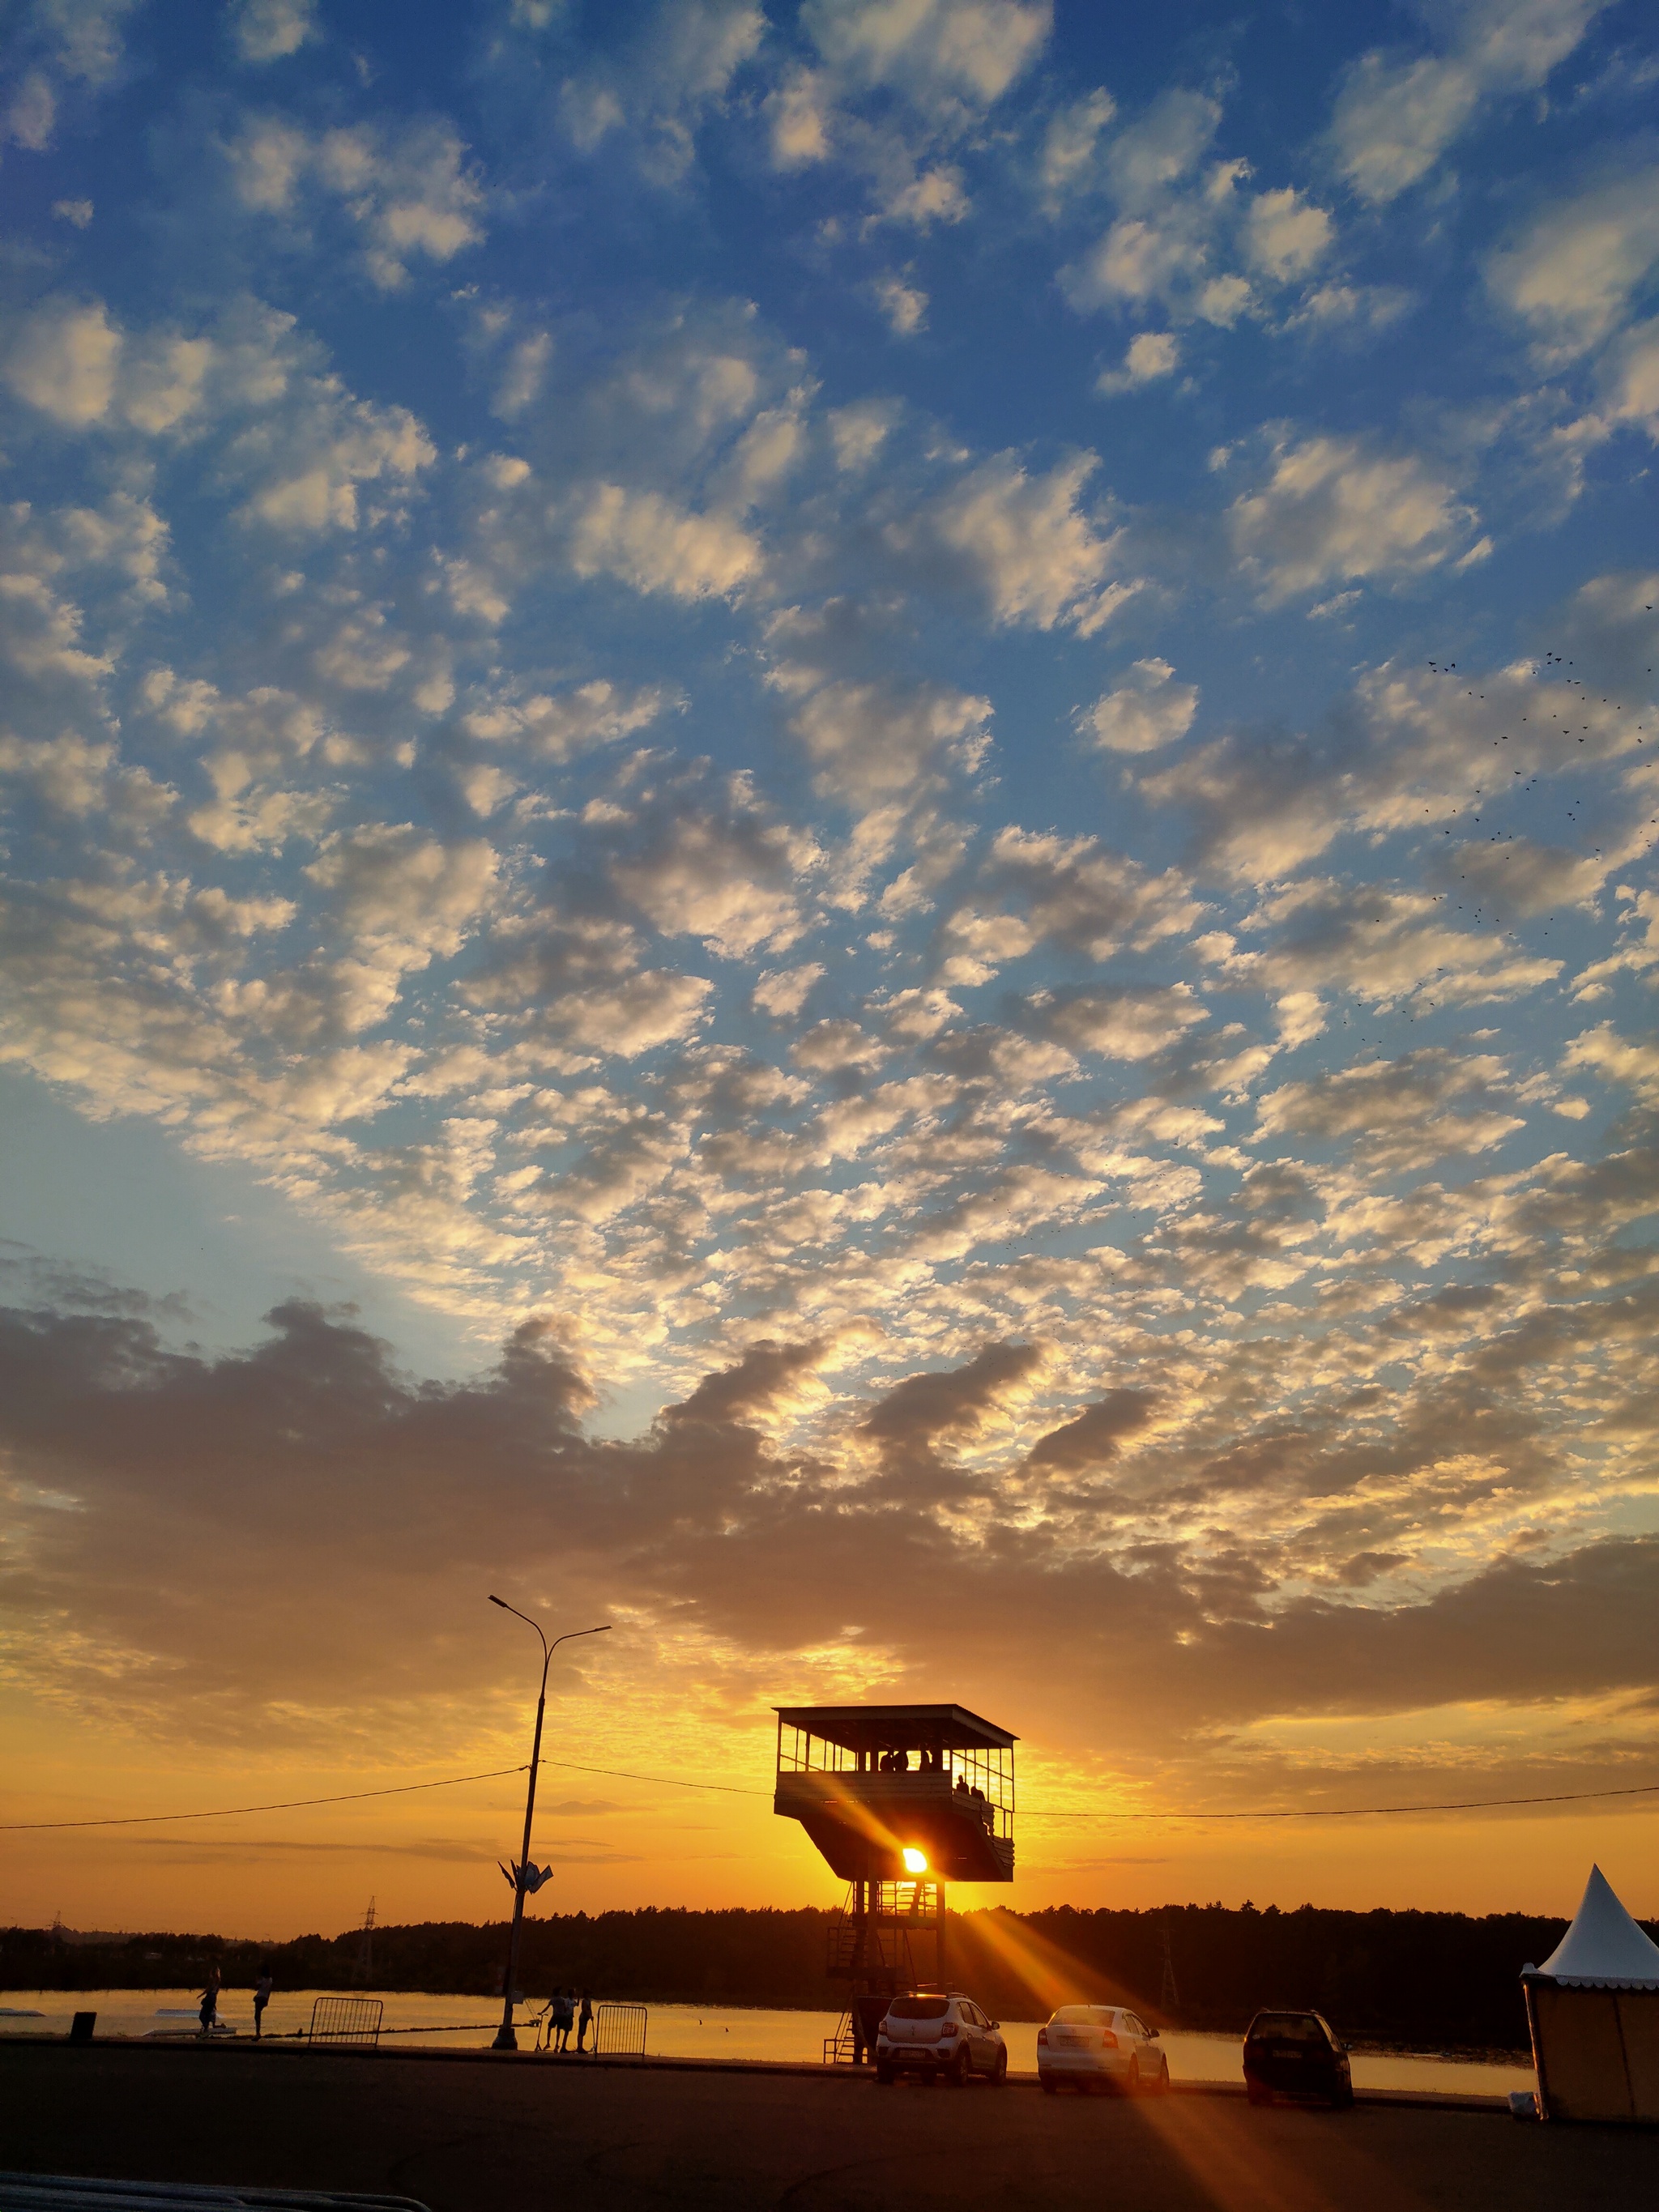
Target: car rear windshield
{"type": "Point", "coordinates": [1083, 2017]}
{"type": "Point", "coordinates": [1287, 2027]}
{"type": "Point", "coordinates": [918, 2008]}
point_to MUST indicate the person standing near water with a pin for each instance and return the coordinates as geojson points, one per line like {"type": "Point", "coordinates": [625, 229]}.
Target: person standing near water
{"type": "Point", "coordinates": [584, 2022]}
{"type": "Point", "coordinates": [210, 2013]}
{"type": "Point", "coordinates": [261, 1989]}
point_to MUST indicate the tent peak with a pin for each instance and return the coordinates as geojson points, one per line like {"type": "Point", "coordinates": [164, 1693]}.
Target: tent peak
{"type": "Point", "coordinates": [1604, 1945]}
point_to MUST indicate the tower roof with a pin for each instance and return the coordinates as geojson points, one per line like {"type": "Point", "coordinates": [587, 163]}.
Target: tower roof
{"type": "Point", "coordinates": [877, 1728]}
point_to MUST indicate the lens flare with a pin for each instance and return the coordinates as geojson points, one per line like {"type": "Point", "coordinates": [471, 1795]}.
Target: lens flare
{"type": "Point", "coordinates": [916, 1862]}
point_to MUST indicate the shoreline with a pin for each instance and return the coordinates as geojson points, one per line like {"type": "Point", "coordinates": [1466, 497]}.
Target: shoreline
{"type": "Point", "coordinates": [1376, 2047]}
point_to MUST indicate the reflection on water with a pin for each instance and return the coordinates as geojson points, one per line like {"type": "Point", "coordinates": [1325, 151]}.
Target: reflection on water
{"type": "Point", "coordinates": [683, 2031]}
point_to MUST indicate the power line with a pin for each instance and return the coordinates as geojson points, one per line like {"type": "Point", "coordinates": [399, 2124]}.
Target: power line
{"type": "Point", "coordinates": [286, 1805]}
{"type": "Point", "coordinates": [737, 1789]}
{"type": "Point", "coordinates": [668, 1780]}
{"type": "Point", "coordinates": [1363, 1811]}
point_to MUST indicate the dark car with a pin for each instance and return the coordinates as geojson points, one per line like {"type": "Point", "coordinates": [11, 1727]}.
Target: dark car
{"type": "Point", "coordinates": [1296, 2054]}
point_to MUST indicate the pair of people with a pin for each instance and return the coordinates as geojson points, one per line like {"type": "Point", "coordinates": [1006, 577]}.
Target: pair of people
{"type": "Point", "coordinates": [209, 2014]}
{"type": "Point", "coordinates": [562, 2014]}
{"type": "Point", "coordinates": [898, 1762]}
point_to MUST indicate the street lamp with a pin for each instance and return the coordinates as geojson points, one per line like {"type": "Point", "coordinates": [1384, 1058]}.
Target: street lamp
{"type": "Point", "coordinates": [505, 2039]}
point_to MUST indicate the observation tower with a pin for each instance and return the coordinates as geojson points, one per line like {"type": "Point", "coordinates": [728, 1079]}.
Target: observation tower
{"type": "Point", "coordinates": [902, 1801]}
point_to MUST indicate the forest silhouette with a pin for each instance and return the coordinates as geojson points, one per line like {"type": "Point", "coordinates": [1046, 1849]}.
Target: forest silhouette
{"type": "Point", "coordinates": [1443, 1979]}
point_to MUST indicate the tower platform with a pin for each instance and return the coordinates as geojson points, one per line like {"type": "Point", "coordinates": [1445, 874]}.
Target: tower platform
{"type": "Point", "coordinates": [888, 1793]}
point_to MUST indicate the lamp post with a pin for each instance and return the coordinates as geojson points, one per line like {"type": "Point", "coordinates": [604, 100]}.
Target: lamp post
{"type": "Point", "coordinates": [505, 2039]}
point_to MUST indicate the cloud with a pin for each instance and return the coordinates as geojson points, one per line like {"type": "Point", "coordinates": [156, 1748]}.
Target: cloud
{"type": "Point", "coordinates": [1120, 1023]}
{"type": "Point", "coordinates": [1071, 145]}
{"type": "Point", "coordinates": [1074, 891]}
{"type": "Point", "coordinates": [873, 741]}
{"type": "Point", "coordinates": [782, 992]}
{"type": "Point", "coordinates": [931, 1507]}
{"type": "Point", "coordinates": [271, 30]}
{"type": "Point", "coordinates": [60, 47]}
{"type": "Point", "coordinates": [934, 50]}
{"type": "Point", "coordinates": [1095, 1435]}
{"type": "Point", "coordinates": [1333, 509]}
{"type": "Point", "coordinates": [1400, 1113]}
{"type": "Point", "coordinates": [1286, 236]}
{"type": "Point", "coordinates": [1630, 1061]}
{"type": "Point", "coordinates": [1187, 231]}
{"type": "Point", "coordinates": [800, 124]}
{"type": "Point", "coordinates": [904, 307]}
{"type": "Point", "coordinates": [1151, 354]}
{"type": "Point", "coordinates": [300, 442]}
{"type": "Point", "coordinates": [1149, 711]}
{"type": "Point", "coordinates": [558, 728]}
{"type": "Point", "coordinates": [1036, 555]}
{"type": "Point", "coordinates": [64, 361]}
{"type": "Point", "coordinates": [580, 980]}
{"type": "Point", "coordinates": [655, 89]}
{"type": "Point", "coordinates": [1395, 115]}
{"type": "Point", "coordinates": [1384, 945]}
{"type": "Point", "coordinates": [522, 375]}
{"type": "Point", "coordinates": [405, 192]}
{"type": "Point", "coordinates": [1573, 271]}
{"type": "Point", "coordinates": [1631, 379]}
{"type": "Point", "coordinates": [644, 540]}
{"type": "Point", "coordinates": [730, 878]}
{"type": "Point", "coordinates": [898, 86]}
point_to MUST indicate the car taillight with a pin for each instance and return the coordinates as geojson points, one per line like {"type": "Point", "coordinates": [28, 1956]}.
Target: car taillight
{"type": "Point", "coordinates": [1043, 2035]}
{"type": "Point", "coordinates": [1107, 2040]}
{"type": "Point", "coordinates": [948, 2028]}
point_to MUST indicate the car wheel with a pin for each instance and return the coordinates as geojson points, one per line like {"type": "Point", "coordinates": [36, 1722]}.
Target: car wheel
{"type": "Point", "coordinates": [1048, 2086]}
{"type": "Point", "coordinates": [1256, 2096]}
{"type": "Point", "coordinates": [1131, 2087]}
{"type": "Point", "coordinates": [885, 2076]}
{"type": "Point", "coordinates": [999, 2072]}
{"type": "Point", "coordinates": [1161, 2085]}
{"type": "Point", "coordinates": [959, 2068]}
{"type": "Point", "coordinates": [1342, 2101]}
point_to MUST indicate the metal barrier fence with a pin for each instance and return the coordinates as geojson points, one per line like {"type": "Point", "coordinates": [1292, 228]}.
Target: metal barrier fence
{"type": "Point", "coordinates": [346, 2019]}
{"type": "Point", "coordinates": [619, 2031]}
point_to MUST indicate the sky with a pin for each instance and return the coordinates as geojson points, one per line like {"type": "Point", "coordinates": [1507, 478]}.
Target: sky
{"type": "Point", "coordinates": [737, 742]}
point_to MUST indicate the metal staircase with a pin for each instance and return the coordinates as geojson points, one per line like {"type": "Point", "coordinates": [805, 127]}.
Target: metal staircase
{"type": "Point", "coordinates": [876, 1945]}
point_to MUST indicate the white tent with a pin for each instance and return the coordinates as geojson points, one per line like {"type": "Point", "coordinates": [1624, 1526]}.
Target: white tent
{"type": "Point", "coordinates": [1593, 2008]}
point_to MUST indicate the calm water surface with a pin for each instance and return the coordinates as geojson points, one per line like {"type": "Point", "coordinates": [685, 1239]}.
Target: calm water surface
{"type": "Point", "coordinates": [677, 2032]}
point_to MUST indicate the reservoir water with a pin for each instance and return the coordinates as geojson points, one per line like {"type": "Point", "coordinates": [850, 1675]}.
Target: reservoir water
{"type": "Point", "coordinates": [681, 2032]}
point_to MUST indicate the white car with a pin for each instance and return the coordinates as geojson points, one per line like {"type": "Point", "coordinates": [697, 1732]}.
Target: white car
{"type": "Point", "coordinates": [1100, 2047]}
{"type": "Point", "coordinates": [942, 2038]}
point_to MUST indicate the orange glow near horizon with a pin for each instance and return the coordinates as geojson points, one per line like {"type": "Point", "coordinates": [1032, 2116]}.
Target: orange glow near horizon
{"type": "Point", "coordinates": [616, 1844]}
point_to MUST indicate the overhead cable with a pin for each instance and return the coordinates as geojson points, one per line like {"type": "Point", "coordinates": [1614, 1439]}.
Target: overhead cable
{"type": "Point", "coordinates": [737, 1789]}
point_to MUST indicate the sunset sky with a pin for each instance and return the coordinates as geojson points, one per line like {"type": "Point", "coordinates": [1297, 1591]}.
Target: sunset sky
{"type": "Point", "coordinates": [830, 827]}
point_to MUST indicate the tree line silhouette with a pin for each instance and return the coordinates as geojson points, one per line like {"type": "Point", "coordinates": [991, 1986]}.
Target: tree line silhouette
{"type": "Point", "coordinates": [1438, 1979]}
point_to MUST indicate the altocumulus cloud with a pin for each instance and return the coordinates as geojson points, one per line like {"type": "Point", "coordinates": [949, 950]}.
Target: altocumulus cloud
{"type": "Point", "coordinates": [973, 918]}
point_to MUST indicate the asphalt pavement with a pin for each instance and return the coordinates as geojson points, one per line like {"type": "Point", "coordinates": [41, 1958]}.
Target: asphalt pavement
{"type": "Point", "coordinates": [524, 2135]}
